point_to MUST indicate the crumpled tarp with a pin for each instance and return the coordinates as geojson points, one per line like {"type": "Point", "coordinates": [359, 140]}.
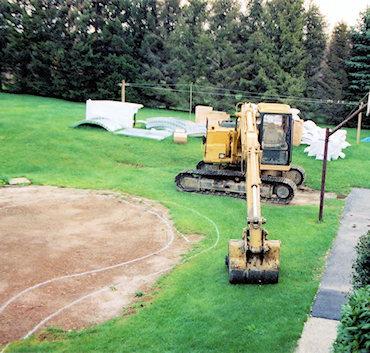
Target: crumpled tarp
{"type": "Point", "coordinates": [314, 136]}
{"type": "Point", "coordinates": [151, 134]}
{"type": "Point", "coordinates": [118, 117]}
{"type": "Point", "coordinates": [173, 124]}
{"type": "Point", "coordinates": [111, 115]}
{"type": "Point", "coordinates": [105, 123]}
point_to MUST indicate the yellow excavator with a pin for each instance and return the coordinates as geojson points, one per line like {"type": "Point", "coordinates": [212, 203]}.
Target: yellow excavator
{"type": "Point", "coordinates": [252, 259]}
{"type": "Point", "coordinates": [222, 170]}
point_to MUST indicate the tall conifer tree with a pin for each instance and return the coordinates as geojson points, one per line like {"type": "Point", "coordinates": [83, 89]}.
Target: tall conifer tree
{"type": "Point", "coordinates": [330, 81]}
{"type": "Point", "coordinates": [226, 34]}
{"type": "Point", "coordinates": [285, 28]}
{"type": "Point", "coordinates": [158, 62]}
{"type": "Point", "coordinates": [315, 43]}
{"type": "Point", "coordinates": [3, 44]}
{"type": "Point", "coordinates": [359, 63]}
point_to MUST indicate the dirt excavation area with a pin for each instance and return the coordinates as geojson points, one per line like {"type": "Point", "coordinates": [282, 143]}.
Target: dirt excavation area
{"type": "Point", "coordinates": [71, 258]}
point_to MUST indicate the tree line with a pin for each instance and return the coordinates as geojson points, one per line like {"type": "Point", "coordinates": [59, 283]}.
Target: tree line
{"type": "Point", "coordinates": [272, 51]}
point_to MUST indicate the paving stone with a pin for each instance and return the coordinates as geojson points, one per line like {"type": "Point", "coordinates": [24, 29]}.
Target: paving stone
{"type": "Point", "coordinates": [320, 330]}
{"type": "Point", "coordinates": [18, 181]}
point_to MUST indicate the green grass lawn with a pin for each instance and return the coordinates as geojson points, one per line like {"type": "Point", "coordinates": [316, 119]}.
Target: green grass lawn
{"type": "Point", "coordinates": [196, 310]}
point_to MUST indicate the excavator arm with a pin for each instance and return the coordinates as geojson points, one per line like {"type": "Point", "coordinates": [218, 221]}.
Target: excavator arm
{"type": "Point", "coordinates": [252, 259]}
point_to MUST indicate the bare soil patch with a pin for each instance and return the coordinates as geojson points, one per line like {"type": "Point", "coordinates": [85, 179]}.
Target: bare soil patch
{"type": "Point", "coordinates": [118, 244]}
{"type": "Point", "coordinates": [70, 258]}
{"type": "Point", "coordinates": [307, 196]}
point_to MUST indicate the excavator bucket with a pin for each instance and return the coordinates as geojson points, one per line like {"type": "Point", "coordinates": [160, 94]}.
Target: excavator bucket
{"type": "Point", "coordinates": [247, 267]}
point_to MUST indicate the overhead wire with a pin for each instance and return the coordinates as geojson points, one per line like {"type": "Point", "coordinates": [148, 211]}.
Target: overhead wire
{"type": "Point", "coordinates": [219, 91]}
{"type": "Point", "coordinates": [361, 101]}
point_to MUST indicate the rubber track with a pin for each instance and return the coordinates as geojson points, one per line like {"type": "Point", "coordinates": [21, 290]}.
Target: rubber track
{"type": "Point", "coordinates": [203, 166]}
{"type": "Point", "coordinates": [301, 171]}
{"type": "Point", "coordinates": [232, 175]}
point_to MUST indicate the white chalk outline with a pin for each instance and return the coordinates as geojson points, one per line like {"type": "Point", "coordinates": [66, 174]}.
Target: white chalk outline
{"type": "Point", "coordinates": [162, 218]}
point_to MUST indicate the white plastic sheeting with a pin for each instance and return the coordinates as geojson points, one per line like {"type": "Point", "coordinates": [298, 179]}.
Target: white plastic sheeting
{"type": "Point", "coordinates": [160, 128]}
{"type": "Point", "coordinates": [105, 123]}
{"type": "Point", "coordinates": [295, 113]}
{"type": "Point", "coordinates": [314, 136]}
{"type": "Point", "coordinates": [173, 124]}
{"type": "Point", "coordinates": [118, 117]}
{"type": "Point", "coordinates": [111, 115]}
{"type": "Point", "coordinates": [121, 112]}
{"type": "Point", "coordinates": [151, 134]}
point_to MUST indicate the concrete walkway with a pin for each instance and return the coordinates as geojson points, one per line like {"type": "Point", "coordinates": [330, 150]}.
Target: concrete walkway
{"type": "Point", "coordinates": [320, 330]}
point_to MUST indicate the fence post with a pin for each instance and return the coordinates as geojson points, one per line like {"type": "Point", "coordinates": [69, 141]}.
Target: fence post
{"type": "Point", "coordinates": [328, 134]}
{"type": "Point", "coordinates": [191, 99]}
{"type": "Point", "coordinates": [323, 177]}
{"type": "Point", "coordinates": [359, 125]}
{"type": "Point", "coordinates": [123, 91]}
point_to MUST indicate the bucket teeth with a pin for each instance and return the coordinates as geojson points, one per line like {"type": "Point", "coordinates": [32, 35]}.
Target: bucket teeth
{"type": "Point", "coordinates": [253, 277]}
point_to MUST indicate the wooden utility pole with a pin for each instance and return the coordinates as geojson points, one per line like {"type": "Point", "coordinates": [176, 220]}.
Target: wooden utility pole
{"type": "Point", "coordinates": [191, 100]}
{"type": "Point", "coordinates": [123, 85]}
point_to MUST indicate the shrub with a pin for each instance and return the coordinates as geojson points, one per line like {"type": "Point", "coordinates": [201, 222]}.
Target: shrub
{"type": "Point", "coordinates": [354, 328]}
{"type": "Point", "coordinates": [361, 266]}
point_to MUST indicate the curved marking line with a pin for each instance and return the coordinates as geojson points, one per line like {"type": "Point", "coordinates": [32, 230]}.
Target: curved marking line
{"type": "Point", "coordinates": [121, 284]}
{"type": "Point", "coordinates": [102, 269]}
{"type": "Point", "coordinates": [205, 217]}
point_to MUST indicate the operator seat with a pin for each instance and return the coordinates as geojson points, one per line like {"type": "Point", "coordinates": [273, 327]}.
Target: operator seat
{"type": "Point", "coordinates": [274, 138]}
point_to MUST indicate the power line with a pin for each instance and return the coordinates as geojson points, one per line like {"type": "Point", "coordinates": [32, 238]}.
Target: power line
{"type": "Point", "coordinates": [219, 91]}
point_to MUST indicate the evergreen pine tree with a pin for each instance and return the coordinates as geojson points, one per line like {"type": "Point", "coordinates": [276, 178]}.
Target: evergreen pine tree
{"type": "Point", "coordinates": [3, 44]}
{"type": "Point", "coordinates": [285, 28]}
{"type": "Point", "coordinates": [23, 35]}
{"type": "Point", "coordinates": [315, 43]}
{"type": "Point", "coordinates": [254, 17]}
{"type": "Point", "coordinates": [331, 80]}
{"type": "Point", "coordinates": [70, 49]}
{"type": "Point", "coordinates": [337, 56]}
{"type": "Point", "coordinates": [252, 59]}
{"type": "Point", "coordinates": [225, 33]}
{"type": "Point", "coordinates": [275, 56]}
{"type": "Point", "coordinates": [158, 62]}
{"type": "Point", "coordinates": [191, 51]}
{"type": "Point", "coordinates": [359, 62]}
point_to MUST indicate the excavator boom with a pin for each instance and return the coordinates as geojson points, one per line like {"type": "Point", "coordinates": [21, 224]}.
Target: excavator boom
{"type": "Point", "coordinates": [252, 259]}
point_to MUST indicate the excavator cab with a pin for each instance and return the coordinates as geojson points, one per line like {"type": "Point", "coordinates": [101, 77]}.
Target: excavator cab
{"type": "Point", "coordinates": [275, 135]}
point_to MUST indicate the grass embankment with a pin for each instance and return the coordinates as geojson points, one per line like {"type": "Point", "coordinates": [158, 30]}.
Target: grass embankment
{"type": "Point", "coordinates": [197, 309]}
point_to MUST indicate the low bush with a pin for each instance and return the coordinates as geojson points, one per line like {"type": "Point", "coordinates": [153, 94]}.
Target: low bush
{"type": "Point", "coordinates": [354, 328]}
{"type": "Point", "coordinates": [361, 265]}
